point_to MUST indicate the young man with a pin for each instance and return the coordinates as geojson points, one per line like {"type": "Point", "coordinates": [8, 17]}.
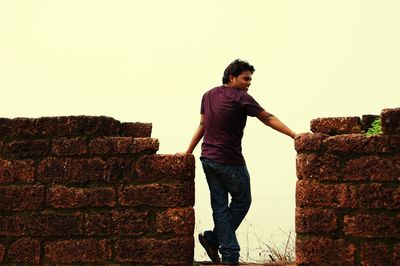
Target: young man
{"type": "Point", "coordinates": [224, 111]}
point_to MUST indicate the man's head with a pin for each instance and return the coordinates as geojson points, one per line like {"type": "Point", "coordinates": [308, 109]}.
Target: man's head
{"type": "Point", "coordinates": [238, 74]}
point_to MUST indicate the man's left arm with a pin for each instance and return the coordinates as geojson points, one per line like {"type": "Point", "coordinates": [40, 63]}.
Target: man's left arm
{"type": "Point", "coordinates": [273, 122]}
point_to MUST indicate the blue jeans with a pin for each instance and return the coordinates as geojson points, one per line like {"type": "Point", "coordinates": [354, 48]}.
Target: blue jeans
{"type": "Point", "coordinates": [223, 180]}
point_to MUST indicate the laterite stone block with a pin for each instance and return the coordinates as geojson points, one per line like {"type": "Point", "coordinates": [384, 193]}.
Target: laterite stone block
{"type": "Point", "coordinates": [171, 167]}
{"type": "Point", "coordinates": [321, 167]}
{"type": "Point", "coordinates": [176, 220]}
{"type": "Point", "coordinates": [324, 251]}
{"type": "Point", "coordinates": [373, 254]}
{"type": "Point", "coordinates": [336, 125]}
{"type": "Point", "coordinates": [309, 142]}
{"type": "Point", "coordinates": [78, 251]}
{"type": "Point", "coordinates": [136, 130]}
{"type": "Point", "coordinates": [120, 223]}
{"type": "Point", "coordinates": [25, 250]}
{"type": "Point", "coordinates": [157, 195]}
{"type": "Point", "coordinates": [69, 146]}
{"type": "Point", "coordinates": [372, 226]}
{"type": "Point", "coordinates": [316, 220]}
{"type": "Point", "coordinates": [17, 198]}
{"type": "Point", "coordinates": [26, 149]}
{"type": "Point", "coordinates": [65, 197]}
{"type": "Point", "coordinates": [390, 119]}
{"type": "Point", "coordinates": [175, 251]}
{"type": "Point", "coordinates": [17, 170]}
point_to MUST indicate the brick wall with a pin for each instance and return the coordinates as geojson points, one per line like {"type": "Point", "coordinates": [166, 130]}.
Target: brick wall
{"type": "Point", "coordinates": [348, 192]}
{"type": "Point", "coordinates": [92, 190]}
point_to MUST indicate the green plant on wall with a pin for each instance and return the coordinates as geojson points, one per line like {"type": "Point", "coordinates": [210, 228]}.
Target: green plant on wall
{"type": "Point", "coordinates": [375, 128]}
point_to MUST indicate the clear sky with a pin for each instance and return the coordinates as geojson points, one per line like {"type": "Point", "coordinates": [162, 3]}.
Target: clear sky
{"type": "Point", "coordinates": [151, 61]}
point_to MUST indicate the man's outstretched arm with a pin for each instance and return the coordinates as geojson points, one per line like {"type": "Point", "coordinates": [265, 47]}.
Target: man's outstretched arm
{"type": "Point", "coordinates": [273, 122]}
{"type": "Point", "coordinates": [198, 134]}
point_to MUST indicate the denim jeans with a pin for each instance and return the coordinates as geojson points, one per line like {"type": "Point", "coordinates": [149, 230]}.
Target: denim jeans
{"type": "Point", "coordinates": [223, 180]}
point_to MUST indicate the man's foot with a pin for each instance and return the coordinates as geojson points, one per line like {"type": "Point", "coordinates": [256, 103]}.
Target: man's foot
{"type": "Point", "coordinates": [212, 250]}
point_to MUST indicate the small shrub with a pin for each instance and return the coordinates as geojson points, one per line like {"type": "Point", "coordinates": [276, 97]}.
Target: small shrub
{"type": "Point", "coordinates": [376, 128]}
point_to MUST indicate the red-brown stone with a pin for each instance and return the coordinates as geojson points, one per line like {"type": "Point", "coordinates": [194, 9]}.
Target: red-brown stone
{"type": "Point", "coordinates": [2, 253]}
{"type": "Point", "coordinates": [176, 220]}
{"type": "Point", "coordinates": [26, 149]}
{"type": "Point", "coordinates": [171, 167]}
{"type": "Point", "coordinates": [69, 146]}
{"type": "Point", "coordinates": [321, 167]}
{"type": "Point", "coordinates": [177, 250]}
{"type": "Point", "coordinates": [316, 220]}
{"type": "Point", "coordinates": [374, 254]}
{"type": "Point", "coordinates": [309, 142]}
{"type": "Point", "coordinates": [25, 250]}
{"type": "Point", "coordinates": [64, 197]}
{"type": "Point", "coordinates": [372, 226]}
{"type": "Point", "coordinates": [78, 251]}
{"type": "Point", "coordinates": [16, 198]}
{"type": "Point", "coordinates": [17, 170]}
{"type": "Point", "coordinates": [336, 125]}
{"type": "Point", "coordinates": [324, 251]}
{"type": "Point", "coordinates": [390, 119]}
{"type": "Point", "coordinates": [157, 195]}
{"type": "Point", "coordinates": [120, 223]}
{"type": "Point", "coordinates": [136, 130]}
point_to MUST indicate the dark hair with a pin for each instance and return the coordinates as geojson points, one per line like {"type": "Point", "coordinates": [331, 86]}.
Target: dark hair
{"type": "Point", "coordinates": [236, 68]}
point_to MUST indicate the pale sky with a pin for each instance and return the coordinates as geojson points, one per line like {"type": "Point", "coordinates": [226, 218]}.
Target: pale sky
{"type": "Point", "coordinates": [151, 61]}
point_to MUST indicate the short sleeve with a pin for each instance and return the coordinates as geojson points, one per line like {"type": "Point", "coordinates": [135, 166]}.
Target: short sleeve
{"type": "Point", "coordinates": [250, 105]}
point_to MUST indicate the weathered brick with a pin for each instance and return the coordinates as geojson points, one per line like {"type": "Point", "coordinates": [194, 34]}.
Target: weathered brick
{"type": "Point", "coordinates": [362, 144]}
{"type": "Point", "coordinates": [123, 145]}
{"type": "Point", "coordinates": [15, 198]}
{"type": "Point", "coordinates": [336, 125]}
{"type": "Point", "coordinates": [59, 126]}
{"type": "Point", "coordinates": [121, 223]}
{"type": "Point", "coordinates": [315, 220]}
{"type": "Point", "coordinates": [379, 196]}
{"type": "Point", "coordinates": [68, 126]}
{"type": "Point", "coordinates": [324, 251]}
{"type": "Point", "coordinates": [66, 171]}
{"type": "Point", "coordinates": [17, 170]}
{"type": "Point", "coordinates": [176, 220]}
{"type": "Point", "coordinates": [78, 251]}
{"type": "Point", "coordinates": [20, 127]}
{"type": "Point", "coordinates": [157, 195]}
{"type": "Point", "coordinates": [64, 197]}
{"type": "Point", "coordinates": [12, 225]}
{"type": "Point", "coordinates": [178, 250]}
{"type": "Point", "coordinates": [157, 167]}
{"type": "Point", "coordinates": [136, 130]}
{"type": "Point", "coordinates": [26, 149]}
{"type": "Point", "coordinates": [25, 250]}
{"type": "Point", "coordinates": [321, 167]}
{"type": "Point", "coordinates": [375, 254]}
{"type": "Point", "coordinates": [119, 169]}
{"type": "Point", "coordinates": [390, 119]}
{"type": "Point", "coordinates": [2, 253]}
{"type": "Point", "coordinates": [379, 168]}
{"type": "Point", "coordinates": [314, 194]}
{"type": "Point", "coordinates": [69, 146]}
{"type": "Point", "coordinates": [372, 225]}
{"type": "Point", "coordinates": [55, 224]}
{"type": "Point", "coordinates": [396, 255]}
{"type": "Point", "coordinates": [309, 142]}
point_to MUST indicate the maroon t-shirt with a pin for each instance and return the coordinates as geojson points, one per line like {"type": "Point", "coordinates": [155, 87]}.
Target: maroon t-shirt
{"type": "Point", "coordinates": [226, 110]}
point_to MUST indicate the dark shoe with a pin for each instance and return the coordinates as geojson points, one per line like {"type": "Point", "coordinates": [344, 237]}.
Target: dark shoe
{"type": "Point", "coordinates": [212, 250]}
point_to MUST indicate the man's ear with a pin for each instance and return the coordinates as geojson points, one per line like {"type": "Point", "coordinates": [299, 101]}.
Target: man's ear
{"type": "Point", "coordinates": [231, 78]}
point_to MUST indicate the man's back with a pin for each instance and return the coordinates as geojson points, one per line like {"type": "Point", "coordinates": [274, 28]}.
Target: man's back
{"type": "Point", "coordinates": [226, 110]}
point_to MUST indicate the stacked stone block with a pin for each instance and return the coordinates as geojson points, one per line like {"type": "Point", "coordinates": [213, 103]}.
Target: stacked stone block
{"type": "Point", "coordinates": [92, 190]}
{"type": "Point", "coordinates": [348, 192]}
